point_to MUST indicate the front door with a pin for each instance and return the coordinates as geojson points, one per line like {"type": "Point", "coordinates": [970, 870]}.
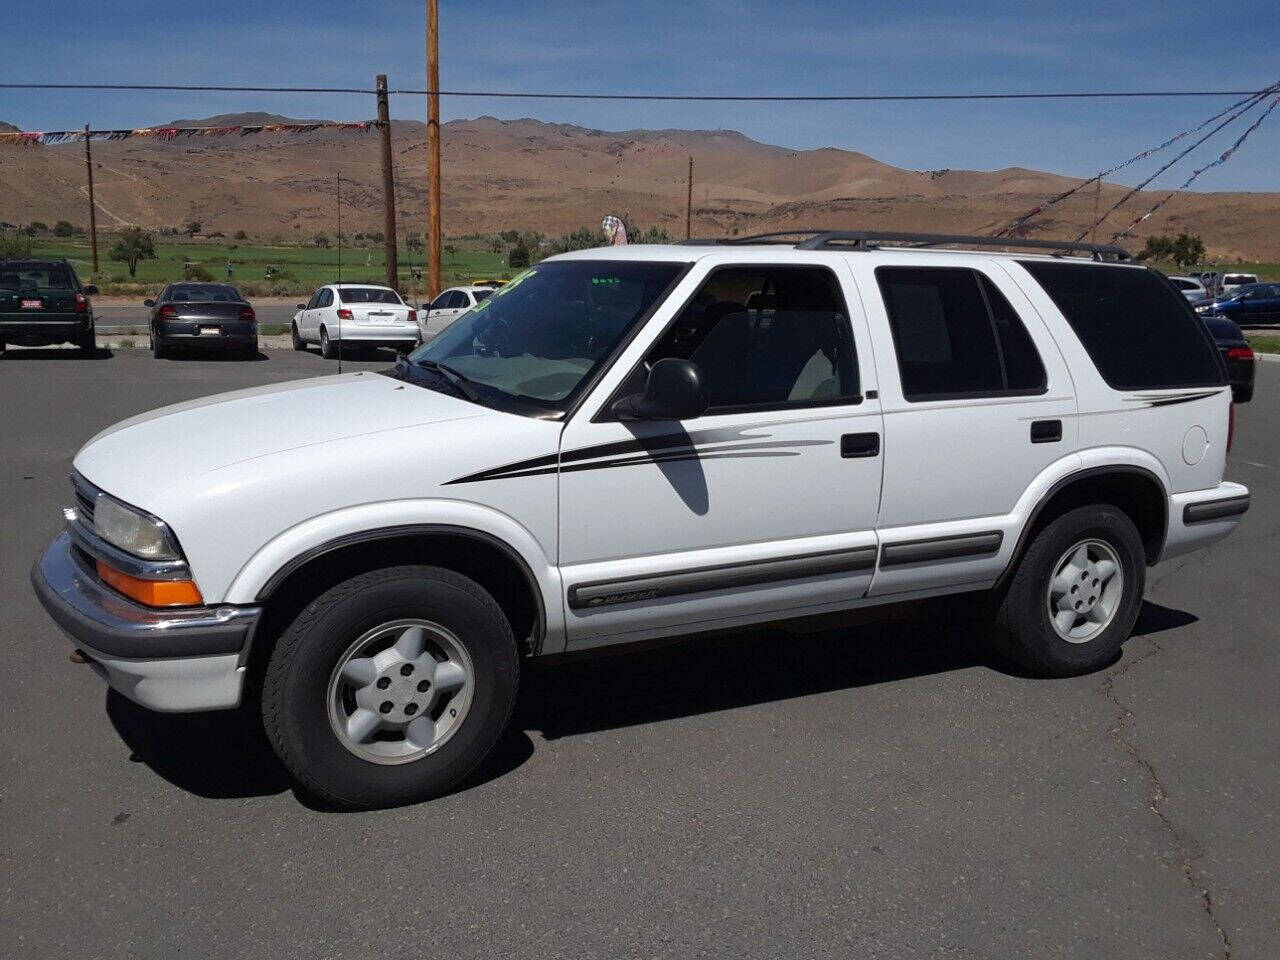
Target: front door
{"type": "Point", "coordinates": [766, 504]}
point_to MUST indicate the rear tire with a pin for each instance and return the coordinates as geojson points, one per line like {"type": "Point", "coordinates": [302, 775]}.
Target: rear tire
{"type": "Point", "coordinates": [298, 342]}
{"type": "Point", "coordinates": [88, 345]}
{"type": "Point", "coordinates": [1075, 595]}
{"type": "Point", "coordinates": [326, 345]}
{"type": "Point", "coordinates": [343, 731]}
{"type": "Point", "coordinates": [158, 350]}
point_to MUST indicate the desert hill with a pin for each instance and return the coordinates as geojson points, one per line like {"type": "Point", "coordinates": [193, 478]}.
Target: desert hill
{"type": "Point", "coordinates": [526, 174]}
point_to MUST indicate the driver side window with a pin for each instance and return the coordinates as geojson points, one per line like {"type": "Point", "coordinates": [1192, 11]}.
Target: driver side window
{"type": "Point", "coordinates": [441, 302]}
{"type": "Point", "coordinates": [766, 338]}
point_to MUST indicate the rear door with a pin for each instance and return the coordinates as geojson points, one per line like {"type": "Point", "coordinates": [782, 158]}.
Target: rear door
{"type": "Point", "coordinates": [977, 402]}
{"type": "Point", "coordinates": [767, 502]}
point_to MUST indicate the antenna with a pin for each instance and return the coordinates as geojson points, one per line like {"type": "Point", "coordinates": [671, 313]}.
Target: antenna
{"type": "Point", "coordinates": [337, 290]}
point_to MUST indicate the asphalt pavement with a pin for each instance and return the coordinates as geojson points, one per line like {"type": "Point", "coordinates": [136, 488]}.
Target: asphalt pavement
{"type": "Point", "coordinates": [886, 790]}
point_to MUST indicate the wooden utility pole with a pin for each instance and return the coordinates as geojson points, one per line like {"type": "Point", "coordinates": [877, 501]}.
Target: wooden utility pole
{"type": "Point", "coordinates": [688, 205]}
{"type": "Point", "coordinates": [1097, 198]}
{"type": "Point", "coordinates": [388, 185]}
{"type": "Point", "coordinates": [93, 215]}
{"type": "Point", "coordinates": [434, 283]}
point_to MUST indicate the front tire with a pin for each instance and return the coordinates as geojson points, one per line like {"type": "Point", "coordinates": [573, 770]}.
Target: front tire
{"type": "Point", "coordinates": [1075, 595]}
{"type": "Point", "coordinates": [298, 342]}
{"type": "Point", "coordinates": [391, 687]}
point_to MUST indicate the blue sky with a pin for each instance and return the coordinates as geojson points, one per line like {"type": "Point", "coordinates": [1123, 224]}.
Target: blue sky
{"type": "Point", "coordinates": [721, 46]}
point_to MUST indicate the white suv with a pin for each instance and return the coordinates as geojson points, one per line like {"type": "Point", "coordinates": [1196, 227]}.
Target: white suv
{"type": "Point", "coordinates": [637, 442]}
{"type": "Point", "coordinates": [360, 314]}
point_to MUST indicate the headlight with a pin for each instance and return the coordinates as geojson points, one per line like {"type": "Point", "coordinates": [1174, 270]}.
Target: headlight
{"type": "Point", "coordinates": [132, 531]}
{"type": "Point", "coordinates": [1202, 309]}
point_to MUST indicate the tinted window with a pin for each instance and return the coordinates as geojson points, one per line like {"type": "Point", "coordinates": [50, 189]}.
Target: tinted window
{"type": "Point", "coordinates": [1238, 278]}
{"type": "Point", "coordinates": [481, 294]}
{"type": "Point", "coordinates": [458, 300]}
{"type": "Point", "coordinates": [205, 292]}
{"type": "Point", "coordinates": [368, 295]}
{"type": "Point", "coordinates": [1139, 332]}
{"type": "Point", "coordinates": [31, 274]}
{"type": "Point", "coordinates": [539, 339]}
{"type": "Point", "coordinates": [956, 335]}
{"type": "Point", "coordinates": [440, 302]}
{"type": "Point", "coordinates": [324, 298]}
{"type": "Point", "coordinates": [791, 347]}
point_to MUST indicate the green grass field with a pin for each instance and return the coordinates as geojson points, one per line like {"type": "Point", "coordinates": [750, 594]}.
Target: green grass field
{"type": "Point", "coordinates": [298, 269]}
{"type": "Point", "coordinates": [1263, 342]}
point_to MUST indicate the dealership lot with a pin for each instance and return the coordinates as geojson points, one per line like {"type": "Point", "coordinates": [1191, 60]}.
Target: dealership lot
{"type": "Point", "coordinates": [883, 790]}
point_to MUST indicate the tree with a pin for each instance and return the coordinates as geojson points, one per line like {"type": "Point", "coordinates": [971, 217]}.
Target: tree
{"type": "Point", "coordinates": [64, 228]}
{"type": "Point", "coordinates": [240, 235]}
{"type": "Point", "coordinates": [1188, 250]}
{"type": "Point", "coordinates": [518, 258]}
{"type": "Point", "coordinates": [191, 227]}
{"type": "Point", "coordinates": [132, 245]}
{"type": "Point", "coordinates": [414, 242]}
{"type": "Point", "coordinates": [15, 246]}
{"type": "Point", "coordinates": [495, 244]}
{"type": "Point", "coordinates": [450, 249]}
{"type": "Point", "coordinates": [37, 226]}
{"type": "Point", "coordinates": [320, 239]}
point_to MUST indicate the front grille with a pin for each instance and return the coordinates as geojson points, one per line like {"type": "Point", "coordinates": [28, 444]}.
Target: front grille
{"type": "Point", "coordinates": [86, 497]}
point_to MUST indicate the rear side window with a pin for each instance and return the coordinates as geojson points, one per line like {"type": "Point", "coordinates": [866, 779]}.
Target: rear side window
{"type": "Point", "coordinates": [1139, 332]}
{"type": "Point", "coordinates": [956, 335]}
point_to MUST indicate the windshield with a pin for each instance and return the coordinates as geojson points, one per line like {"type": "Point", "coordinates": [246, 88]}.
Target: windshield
{"type": "Point", "coordinates": [539, 338]}
{"type": "Point", "coordinates": [18, 275]}
{"type": "Point", "coordinates": [368, 295]}
{"type": "Point", "coordinates": [1234, 279]}
{"type": "Point", "coordinates": [480, 294]}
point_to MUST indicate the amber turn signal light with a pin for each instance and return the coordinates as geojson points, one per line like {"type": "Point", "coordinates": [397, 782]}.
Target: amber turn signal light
{"type": "Point", "coordinates": [152, 593]}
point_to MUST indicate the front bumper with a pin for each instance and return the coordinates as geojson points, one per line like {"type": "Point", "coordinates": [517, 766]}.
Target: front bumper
{"type": "Point", "coordinates": [176, 659]}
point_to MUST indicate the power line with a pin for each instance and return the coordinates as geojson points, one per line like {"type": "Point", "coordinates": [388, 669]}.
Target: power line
{"type": "Point", "coordinates": [705, 98]}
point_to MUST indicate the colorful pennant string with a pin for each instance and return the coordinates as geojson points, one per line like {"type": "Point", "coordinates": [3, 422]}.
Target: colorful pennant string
{"type": "Point", "coordinates": [172, 133]}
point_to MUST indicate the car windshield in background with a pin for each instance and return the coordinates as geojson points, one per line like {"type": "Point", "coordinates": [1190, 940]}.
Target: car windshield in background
{"type": "Point", "coordinates": [480, 294]}
{"type": "Point", "coordinates": [204, 293]}
{"type": "Point", "coordinates": [368, 295]}
{"type": "Point", "coordinates": [30, 274]}
{"type": "Point", "coordinates": [538, 339]}
{"type": "Point", "coordinates": [1239, 278]}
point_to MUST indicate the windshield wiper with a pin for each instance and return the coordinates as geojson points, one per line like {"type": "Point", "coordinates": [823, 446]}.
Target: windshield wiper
{"type": "Point", "coordinates": [456, 380]}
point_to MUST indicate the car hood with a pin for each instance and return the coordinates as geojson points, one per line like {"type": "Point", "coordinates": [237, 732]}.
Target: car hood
{"type": "Point", "coordinates": [139, 457]}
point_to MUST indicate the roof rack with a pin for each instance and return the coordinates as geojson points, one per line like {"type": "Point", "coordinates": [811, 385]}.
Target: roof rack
{"type": "Point", "coordinates": [873, 239]}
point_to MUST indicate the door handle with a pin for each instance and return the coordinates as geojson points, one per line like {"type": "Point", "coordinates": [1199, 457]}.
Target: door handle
{"type": "Point", "coordinates": [859, 445]}
{"type": "Point", "coordinates": [1046, 431]}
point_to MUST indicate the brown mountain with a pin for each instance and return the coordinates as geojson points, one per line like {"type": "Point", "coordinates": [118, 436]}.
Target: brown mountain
{"type": "Point", "coordinates": [525, 174]}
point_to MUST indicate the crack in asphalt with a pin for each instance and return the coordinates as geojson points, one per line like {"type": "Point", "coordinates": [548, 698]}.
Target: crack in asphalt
{"type": "Point", "coordinates": [1187, 852]}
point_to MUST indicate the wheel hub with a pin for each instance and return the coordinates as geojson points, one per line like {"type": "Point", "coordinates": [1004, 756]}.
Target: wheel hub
{"type": "Point", "coordinates": [400, 691]}
{"type": "Point", "coordinates": [1085, 591]}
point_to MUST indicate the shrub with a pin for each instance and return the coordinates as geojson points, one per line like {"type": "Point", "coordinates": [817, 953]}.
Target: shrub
{"type": "Point", "coordinates": [321, 240]}
{"type": "Point", "coordinates": [198, 272]}
{"type": "Point", "coordinates": [15, 245]}
{"type": "Point", "coordinates": [240, 235]}
{"type": "Point", "coordinates": [518, 258]}
{"type": "Point", "coordinates": [191, 227]}
{"type": "Point", "coordinates": [65, 228]}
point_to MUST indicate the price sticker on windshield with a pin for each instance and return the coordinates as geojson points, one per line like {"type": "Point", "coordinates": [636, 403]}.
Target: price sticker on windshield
{"type": "Point", "coordinates": [609, 281]}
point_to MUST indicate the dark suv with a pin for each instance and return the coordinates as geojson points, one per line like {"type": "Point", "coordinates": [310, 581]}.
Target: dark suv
{"type": "Point", "coordinates": [42, 302]}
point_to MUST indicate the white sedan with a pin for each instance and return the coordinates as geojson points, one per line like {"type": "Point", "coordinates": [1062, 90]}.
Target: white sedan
{"type": "Point", "coordinates": [358, 314]}
{"type": "Point", "coordinates": [1190, 287]}
{"type": "Point", "coordinates": [448, 307]}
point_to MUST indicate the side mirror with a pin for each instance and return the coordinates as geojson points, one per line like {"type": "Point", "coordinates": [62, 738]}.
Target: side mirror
{"type": "Point", "coordinates": [301, 306]}
{"type": "Point", "coordinates": [90, 290]}
{"type": "Point", "coordinates": [674, 391]}
{"type": "Point", "coordinates": [148, 303]}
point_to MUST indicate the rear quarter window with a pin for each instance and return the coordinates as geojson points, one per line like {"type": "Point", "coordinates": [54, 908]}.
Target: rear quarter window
{"type": "Point", "coordinates": [1138, 330]}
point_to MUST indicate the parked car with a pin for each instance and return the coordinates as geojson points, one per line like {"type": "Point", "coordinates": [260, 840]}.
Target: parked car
{"type": "Point", "coordinates": [358, 314]}
{"type": "Point", "coordinates": [42, 302]}
{"type": "Point", "coordinates": [616, 448]}
{"type": "Point", "coordinates": [1190, 287]}
{"type": "Point", "coordinates": [1257, 304]}
{"type": "Point", "coordinates": [1230, 281]}
{"type": "Point", "coordinates": [450, 305]}
{"type": "Point", "coordinates": [202, 317]}
{"type": "Point", "coordinates": [1237, 354]}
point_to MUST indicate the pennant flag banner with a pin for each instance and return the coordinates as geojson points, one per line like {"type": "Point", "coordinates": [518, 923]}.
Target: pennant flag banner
{"type": "Point", "coordinates": [1222, 158]}
{"type": "Point", "coordinates": [172, 133]}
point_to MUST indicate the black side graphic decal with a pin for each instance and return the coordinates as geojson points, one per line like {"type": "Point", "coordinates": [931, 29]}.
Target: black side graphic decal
{"type": "Point", "coordinates": [716, 444]}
